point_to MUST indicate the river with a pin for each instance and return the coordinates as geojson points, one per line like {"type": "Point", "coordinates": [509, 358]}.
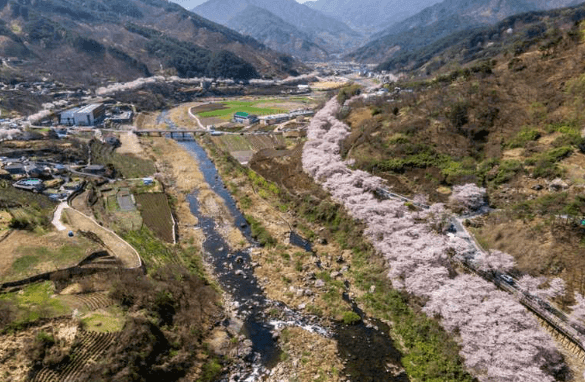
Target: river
{"type": "Point", "coordinates": [366, 348]}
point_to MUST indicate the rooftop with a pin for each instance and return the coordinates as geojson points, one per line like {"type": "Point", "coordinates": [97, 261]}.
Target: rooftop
{"type": "Point", "coordinates": [74, 110]}
{"type": "Point", "coordinates": [95, 167]}
{"type": "Point", "coordinates": [89, 108]}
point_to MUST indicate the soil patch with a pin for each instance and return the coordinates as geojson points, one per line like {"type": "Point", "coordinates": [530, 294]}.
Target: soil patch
{"type": "Point", "coordinates": [130, 144]}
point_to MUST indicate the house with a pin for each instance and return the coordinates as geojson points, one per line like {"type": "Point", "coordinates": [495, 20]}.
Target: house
{"type": "Point", "coordinates": [245, 118]}
{"type": "Point", "coordinates": [123, 117]}
{"type": "Point", "coordinates": [95, 169]}
{"type": "Point", "coordinates": [30, 184]}
{"type": "Point", "coordinates": [59, 169]}
{"type": "Point", "coordinates": [72, 186]}
{"type": "Point", "coordinates": [15, 169]}
{"type": "Point", "coordinates": [304, 88]}
{"type": "Point", "coordinates": [5, 175]}
{"type": "Point", "coordinates": [90, 115]}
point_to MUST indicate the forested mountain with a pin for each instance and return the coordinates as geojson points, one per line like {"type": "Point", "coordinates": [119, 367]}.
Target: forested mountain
{"type": "Point", "coordinates": [103, 40]}
{"type": "Point", "coordinates": [370, 16]}
{"type": "Point", "coordinates": [325, 31]}
{"type": "Point", "coordinates": [276, 33]}
{"type": "Point", "coordinates": [442, 20]}
{"type": "Point", "coordinates": [511, 36]}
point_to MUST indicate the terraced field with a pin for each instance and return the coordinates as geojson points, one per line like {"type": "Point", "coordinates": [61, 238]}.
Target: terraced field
{"type": "Point", "coordinates": [156, 214]}
{"type": "Point", "coordinates": [25, 254]}
{"type": "Point", "coordinates": [87, 301]}
{"type": "Point", "coordinates": [91, 346]}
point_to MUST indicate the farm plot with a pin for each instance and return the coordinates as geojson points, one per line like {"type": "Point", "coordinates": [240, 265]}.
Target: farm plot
{"type": "Point", "coordinates": [156, 214]}
{"type": "Point", "coordinates": [243, 147]}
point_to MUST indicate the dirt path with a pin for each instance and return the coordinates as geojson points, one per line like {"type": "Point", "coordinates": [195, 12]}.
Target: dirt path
{"type": "Point", "coordinates": [57, 217]}
{"type": "Point", "coordinates": [119, 248]}
{"type": "Point", "coordinates": [194, 116]}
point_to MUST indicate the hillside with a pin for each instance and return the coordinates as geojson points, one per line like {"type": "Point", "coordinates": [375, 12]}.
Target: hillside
{"type": "Point", "coordinates": [104, 40]}
{"type": "Point", "coordinates": [442, 20]}
{"type": "Point", "coordinates": [276, 33]}
{"type": "Point", "coordinates": [512, 124]}
{"type": "Point", "coordinates": [322, 30]}
{"type": "Point", "coordinates": [370, 16]}
{"type": "Point", "coordinates": [513, 36]}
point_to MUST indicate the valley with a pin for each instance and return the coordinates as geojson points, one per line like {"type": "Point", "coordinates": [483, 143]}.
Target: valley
{"type": "Point", "coordinates": [312, 195]}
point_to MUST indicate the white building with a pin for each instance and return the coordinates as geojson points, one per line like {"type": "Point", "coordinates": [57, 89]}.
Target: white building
{"type": "Point", "coordinates": [88, 115]}
{"type": "Point", "coordinates": [68, 117]}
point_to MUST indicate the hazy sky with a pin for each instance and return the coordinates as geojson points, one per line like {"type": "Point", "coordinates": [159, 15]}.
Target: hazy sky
{"type": "Point", "coordinates": [190, 4]}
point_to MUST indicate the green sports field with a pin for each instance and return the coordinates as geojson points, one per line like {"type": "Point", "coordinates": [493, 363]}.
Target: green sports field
{"type": "Point", "coordinates": [229, 108]}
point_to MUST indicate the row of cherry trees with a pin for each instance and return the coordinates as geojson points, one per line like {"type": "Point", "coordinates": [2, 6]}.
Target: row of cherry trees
{"type": "Point", "coordinates": [499, 339]}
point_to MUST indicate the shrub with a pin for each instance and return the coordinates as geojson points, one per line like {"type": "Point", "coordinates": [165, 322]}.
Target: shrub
{"type": "Point", "coordinates": [347, 92]}
{"type": "Point", "coordinates": [351, 318]}
{"type": "Point", "coordinates": [458, 114]}
{"type": "Point", "coordinates": [523, 137]}
{"type": "Point", "coordinates": [507, 171]}
{"type": "Point", "coordinates": [260, 233]}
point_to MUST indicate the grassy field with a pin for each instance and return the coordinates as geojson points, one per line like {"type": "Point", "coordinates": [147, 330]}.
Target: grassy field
{"type": "Point", "coordinates": [231, 107]}
{"type": "Point", "coordinates": [27, 254]}
{"type": "Point", "coordinates": [33, 302]}
{"type": "Point", "coordinates": [106, 321]}
{"type": "Point", "coordinates": [156, 214]}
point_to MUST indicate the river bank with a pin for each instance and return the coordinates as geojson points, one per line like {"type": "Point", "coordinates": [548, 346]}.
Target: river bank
{"type": "Point", "coordinates": [316, 283]}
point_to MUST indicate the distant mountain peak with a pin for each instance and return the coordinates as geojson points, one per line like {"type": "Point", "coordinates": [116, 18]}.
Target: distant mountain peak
{"type": "Point", "coordinates": [320, 30]}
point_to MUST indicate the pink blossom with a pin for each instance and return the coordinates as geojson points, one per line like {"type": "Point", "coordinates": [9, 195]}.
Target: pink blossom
{"type": "Point", "coordinates": [578, 313]}
{"type": "Point", "coordinates": [500, 340]}
{"type": "Point", "coordinates": [468, 197]}
{"type": "Point", "coordinates": [494, 261]}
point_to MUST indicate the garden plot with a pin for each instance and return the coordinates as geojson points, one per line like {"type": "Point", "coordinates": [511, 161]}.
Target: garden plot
{"type": "Point", "coordinates": [156, 215]}
{"type": "Point", "coordinates": [120, 206]}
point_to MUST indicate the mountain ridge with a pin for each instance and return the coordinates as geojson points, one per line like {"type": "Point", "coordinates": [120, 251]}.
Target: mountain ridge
{"type": "Point", "coordinates": [370, 16]}
{"type": "Point", "coordinates": [276, 33]}
{"type": "Point", "coordinates": [320, 28]}
{"type": "Point", "coordinates": [120, 40]}
{"type": "Point", "coordinates": [443, 19]}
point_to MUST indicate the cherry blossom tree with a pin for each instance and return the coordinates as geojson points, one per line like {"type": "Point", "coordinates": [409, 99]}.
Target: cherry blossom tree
{"type": "Point", "coordinates": [468, 197]}
{"type": "Point", "coordinates": [494, 261]}
{"type": "Point", "coordinates": [500, 340]}
{"type": "Point", "coordinates": [537, 286]}
{"type": "Point", "coordinates": [578, 313]}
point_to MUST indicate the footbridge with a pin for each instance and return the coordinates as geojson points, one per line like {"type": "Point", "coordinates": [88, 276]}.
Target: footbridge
{"type": "Point", "coordinates": [171, 133]}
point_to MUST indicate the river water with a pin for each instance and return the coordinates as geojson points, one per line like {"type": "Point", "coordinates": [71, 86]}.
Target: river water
{"type": "Point", "coordinates": [366, 348]}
